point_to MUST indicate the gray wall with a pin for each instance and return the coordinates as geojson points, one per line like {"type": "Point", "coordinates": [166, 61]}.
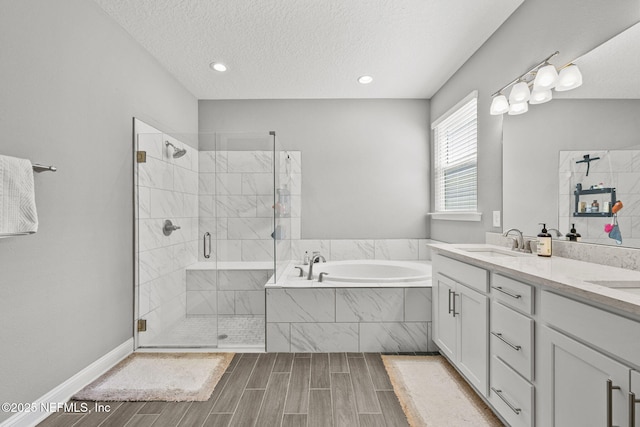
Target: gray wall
{"type": "Point", "coordinates": [532, 143]}
{"type": "Point", "coordinates": [365, 162]}
{"type": "Point", "coordinates": [72, 80]}
{"type": "Point", "coordinates": [534, 31]}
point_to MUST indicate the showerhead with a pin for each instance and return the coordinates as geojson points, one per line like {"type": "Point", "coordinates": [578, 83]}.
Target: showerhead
{"type": "Point", "coordinates": [177, 152]}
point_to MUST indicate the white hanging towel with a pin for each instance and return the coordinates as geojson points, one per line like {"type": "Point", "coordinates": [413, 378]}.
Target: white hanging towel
{"type": "Point", "coordinates": [17, 197]}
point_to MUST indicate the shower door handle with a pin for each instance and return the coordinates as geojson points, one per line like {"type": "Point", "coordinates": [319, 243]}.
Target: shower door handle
{"type": "Point", "coordinates": [207, 253]}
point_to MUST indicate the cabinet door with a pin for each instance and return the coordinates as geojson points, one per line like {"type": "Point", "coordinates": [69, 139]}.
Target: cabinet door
{"type": "Point", "coordinates": [444, 323]}
{"type": "Point", "coordinates": [472, 336]}
{"type": "Point", "coordinates": [635, 389]}
{"type": "Point", "coordinates": [574, 384]}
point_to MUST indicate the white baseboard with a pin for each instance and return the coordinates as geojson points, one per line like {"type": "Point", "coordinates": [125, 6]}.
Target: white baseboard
{"type": "Point", "coordinates": [64, 391]}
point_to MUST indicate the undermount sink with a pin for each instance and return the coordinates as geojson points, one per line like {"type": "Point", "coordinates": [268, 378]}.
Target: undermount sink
{"type": "Point", "coordinates": [492, 252]}
{"type": "Point", "coordinates": [631, 286]}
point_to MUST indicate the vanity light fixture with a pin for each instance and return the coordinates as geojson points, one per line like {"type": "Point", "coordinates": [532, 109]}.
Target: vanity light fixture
{"type": "Point", "coordinates": [534, 87]}
{"type": "Point", "coordinates": [218, 66]}
{"type": "Point", "coordinates": [365, 80]}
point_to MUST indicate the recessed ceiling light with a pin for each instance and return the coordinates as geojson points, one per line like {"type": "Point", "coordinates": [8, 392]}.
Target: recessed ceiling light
{"type": "Point", "coordinates": [365, 80]}
{"type": "Point", "coordinates": [218, 66]}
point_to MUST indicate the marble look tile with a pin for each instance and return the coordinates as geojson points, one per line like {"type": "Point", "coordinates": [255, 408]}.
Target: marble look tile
{"type": "Point", "coordinates": [155, 174]}
{"type": "Point", "coordinates": [152, 143]}
{"type": "Point", "coordinates": [250, 228]}
{"type": "Point", "coordinates": [417, 304]}
{"type": "Point", "coordinates": [293, 183]}
{"type": "Point", "coordinates": [185, 181]}
{"type": "Point", "coordinates": [301, 305]}
{"type": "Point", "coordinates": [207, 162]}
{"type": "Point", "coordinates": [290, 162]}
{"type": "Point", "coordinates": [229, 184]}
{"type": "Point", "coordinates": [229, 250]}
{"type": "Point", "coordinates": [144, 203]}
{"type": "Point", "coordinates": [257, 183]}
{"type": "Point", "coordinates": [222, 161]}
{"type": "Point", "coordinates": [621, 161]}
{"type": "Point", "coordinates": [250, 161]}
{"type": "Point", "coordinates": [166, 288]}
{"type": "Point", "coordinates": [190, 207]}
{"type": "Point", "coordinates": [201, 280]}
{"type": "Point", "coordinates": [431, 346]}
{"type": "Point", "coordinates": [206, 183]}
{"type": "Point", "coordinates": [635, 226]}
{"type": "Point", "coordinates": [144, 304]}
{"type": "Point", "coordinates": [257, 250]}
{"type": "Point", "coordinates": [565, 161]}
{"type": "Point", "coordinates": [265, 206]}
{"type": "Point", "coordinates": [392, 337]}
{"type": "Point", "coordinates": [201, 303]}
{"type": "Point", "coordinates": [242, 280]}
{"type": "Point", "coordinates": [226, 302]}
{"type": "Point", "coordinates": [296, 206]}
{"type": "Point", "coordinates": [296, 228]}
{"type": "Point", "coordinates": [206, 207]}
{"type": "Point", "coordinates": [208, 225]}
{"type": "Point", "coordinates": [351, 249]}
{"type": "Point", "coordinates": [299, 247]}
{"type": "Point", "coordinates": [564, 183]}
{"type": "Point", "coordinates": [185, 254]}
{"type": "Point", "coordinates": [222, 228]}
{"type": "Point", "coordinates": [249, 302]}
{"type": "Point", "coordinates": [283, 251]}
{"type": "Point", "coordinates": [324, 337]}
{"type": "Point", "coordinates": [278, 337]}
{"type": "Point", "coordinates": [150, 234]}
{"type": "Point", "coordinates": [629, 183]}
{"type": "Point", "coordinates": [424, 251]}
{"type": "Point", "coordinates": [155, 263]}
{"type": "Point", "coordinates": [166, 204]}
{"type": "Point", "coordinates": [565, 205]}
{"type": "Point", "coordinates": [369, 305]}
{"type": "Point", "coordinates": [396, 249]}
{"type": "Point", "coordinates": [236, 206]}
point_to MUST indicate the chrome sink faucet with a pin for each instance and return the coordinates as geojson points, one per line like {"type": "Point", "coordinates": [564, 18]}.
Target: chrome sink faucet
{"type": "Point", "coordinates": [520, 241]}
{"type": "Point", "coordinates": [315, 258]}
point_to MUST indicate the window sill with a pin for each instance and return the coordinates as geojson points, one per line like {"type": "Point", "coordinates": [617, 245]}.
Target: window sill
{"type": "Point", "coordinates": [456, 216]}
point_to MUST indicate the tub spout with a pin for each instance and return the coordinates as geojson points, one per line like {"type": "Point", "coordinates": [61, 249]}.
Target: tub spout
{"type": "Point", "coordinates": [314, 259]}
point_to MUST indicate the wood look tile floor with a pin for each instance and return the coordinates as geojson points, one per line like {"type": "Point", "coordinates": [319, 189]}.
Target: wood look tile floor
{"type": "Point", "coordinates": [270, 390]}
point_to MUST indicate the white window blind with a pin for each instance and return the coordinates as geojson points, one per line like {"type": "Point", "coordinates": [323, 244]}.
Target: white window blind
{"type": "Point", "coordinates": [456, 159]}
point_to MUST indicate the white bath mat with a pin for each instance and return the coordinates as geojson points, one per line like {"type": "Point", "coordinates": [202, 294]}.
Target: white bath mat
{"type": "Point", "coordinates": [432, 393]}
{"type": "Point", "coordinates": [170, 377]}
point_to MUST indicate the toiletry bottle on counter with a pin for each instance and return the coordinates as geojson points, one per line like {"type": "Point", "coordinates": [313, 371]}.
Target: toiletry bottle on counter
{"type": "Point", "coordinates": [305, 261]}
{"type": "Point", "coordinates": [544, 242]}
{"type": "Point", "coordinates": [573, 235]}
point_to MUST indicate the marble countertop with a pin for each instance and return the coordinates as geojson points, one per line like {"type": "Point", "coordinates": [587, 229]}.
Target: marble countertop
{"type": "Point", "coordinates": [562, 274]}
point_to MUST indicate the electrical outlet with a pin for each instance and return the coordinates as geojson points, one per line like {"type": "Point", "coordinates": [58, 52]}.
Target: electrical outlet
{"type": "Point", "coordinates": [496, 218]}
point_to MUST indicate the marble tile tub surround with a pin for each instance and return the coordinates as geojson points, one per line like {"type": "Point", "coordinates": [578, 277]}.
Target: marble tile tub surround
{"type": "Point", "coordinates": [565, 275]}
{"type": "Point", "coordinates": [613, 256]}
{"type": "Point", "coordinates": [236, 200]}
{"type": "Point", "coordinates": [616, 168]}
{"type": "Point", "coordinates": [167, 188]}
{"type": "Point", "coordinates": [349, 319]}
{"type": "Point", "coordinates": [345, 249]}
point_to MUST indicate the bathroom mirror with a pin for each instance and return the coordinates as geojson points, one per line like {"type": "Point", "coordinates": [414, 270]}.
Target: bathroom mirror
{"type": "Point", "coordinates": [600, 118]}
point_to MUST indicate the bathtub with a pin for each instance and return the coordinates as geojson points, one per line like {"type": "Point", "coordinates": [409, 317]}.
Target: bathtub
{"type": "Point", "coordinates": [380, 272]}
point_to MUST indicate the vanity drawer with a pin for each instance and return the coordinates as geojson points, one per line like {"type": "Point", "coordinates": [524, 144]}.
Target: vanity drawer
{"type": "Point", "coordinates": [610, 332]}
{"type": "Point", "coordinates": [511, 395]}
{"type": "Point", "coordinates": [467, 274]}
{"type": "Point", "coordinates": [512, 339]}
{"type": "Point", "coordinates": [513, 293]}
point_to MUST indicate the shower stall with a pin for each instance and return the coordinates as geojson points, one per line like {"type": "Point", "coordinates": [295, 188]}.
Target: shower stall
{"type": "Point", "coordinates": [213, 225]}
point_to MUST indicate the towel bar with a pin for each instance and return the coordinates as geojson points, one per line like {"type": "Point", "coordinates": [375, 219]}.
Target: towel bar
{"type": "Point", "coordinates": [42, 168]}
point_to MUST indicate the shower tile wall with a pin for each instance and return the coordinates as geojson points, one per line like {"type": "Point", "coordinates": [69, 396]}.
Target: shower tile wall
{"type": "Point", "coordinates": [616, 168]}
{"type": "Point", "coordinates": [345, 249]}
{"type": "Point", "coordinates": [167, 189]}
{"type": "Point", "coordinates": [236, 202]}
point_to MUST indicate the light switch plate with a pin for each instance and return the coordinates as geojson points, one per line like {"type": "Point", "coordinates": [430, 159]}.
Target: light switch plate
{"type": "Point", "coordinates": [496, 218]}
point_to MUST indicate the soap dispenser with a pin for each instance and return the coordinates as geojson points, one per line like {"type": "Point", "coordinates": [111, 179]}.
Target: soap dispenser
{"type": "Point", "coordinates": [573, 235]}
{"type": "Point", "coordinates": [544, 242]}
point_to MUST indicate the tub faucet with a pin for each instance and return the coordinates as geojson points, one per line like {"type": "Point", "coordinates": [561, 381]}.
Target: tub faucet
{"type": "Point", "coordinates": [520, 241]}
{"type": "Point", "coordinates": [315, 258]}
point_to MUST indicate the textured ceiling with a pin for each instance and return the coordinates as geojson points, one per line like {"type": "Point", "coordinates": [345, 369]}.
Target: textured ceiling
{"type": "Point", "coordinates": [611, 70]}
{"type": "Point", "coordinates": [279, 49]}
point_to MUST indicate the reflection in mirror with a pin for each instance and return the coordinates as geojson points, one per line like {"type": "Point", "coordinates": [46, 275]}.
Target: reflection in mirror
{"type": "Point", "coordinates": [601, 118]}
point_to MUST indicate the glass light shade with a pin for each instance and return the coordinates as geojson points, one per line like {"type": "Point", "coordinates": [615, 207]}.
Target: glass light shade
{"type": "Point", "coordinates": [540, 96]}
{"type": "Point", "coordinates": [546, 78]}
{"type": "Point", "coordinates": [569, 78]}
{"type": "Point", "coordinates": [499, 105]}
{"type": "Point", "coordinates": [519, 93]}
{"type": "Point", "coordinates": [519, 108]}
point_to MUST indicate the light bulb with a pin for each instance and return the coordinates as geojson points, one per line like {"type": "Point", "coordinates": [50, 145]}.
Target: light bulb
{"type": "Point", "coordinates": [499, 105]}
{"type": "Point", "coordinates": [546, 78]}
{"type": "Point", "coordinates": [519, 108]}
{"type": "Point", "coordinates": [540, 96]}
{"type": "Point", "coordinates": [570, 78]}
{"type": "Point", "coordinates": [519, 93]}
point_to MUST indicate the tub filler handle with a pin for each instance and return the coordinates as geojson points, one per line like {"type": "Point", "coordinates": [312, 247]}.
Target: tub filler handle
{"type": "Point", "coordinates": [321, 276]}
{"type": "Point", "coordinates": [301, 271]}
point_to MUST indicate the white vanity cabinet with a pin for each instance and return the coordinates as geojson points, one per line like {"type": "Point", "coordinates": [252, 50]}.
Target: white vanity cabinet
{"type": "Point", "coordinates": [462, 317]}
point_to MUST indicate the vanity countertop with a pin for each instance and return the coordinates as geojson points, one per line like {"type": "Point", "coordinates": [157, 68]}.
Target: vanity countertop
{"type": "Point", "coordinates": [563, 274]}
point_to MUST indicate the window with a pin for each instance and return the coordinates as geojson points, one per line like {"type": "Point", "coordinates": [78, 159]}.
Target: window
{"type": "Point", "coordinates": [456, 160]}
